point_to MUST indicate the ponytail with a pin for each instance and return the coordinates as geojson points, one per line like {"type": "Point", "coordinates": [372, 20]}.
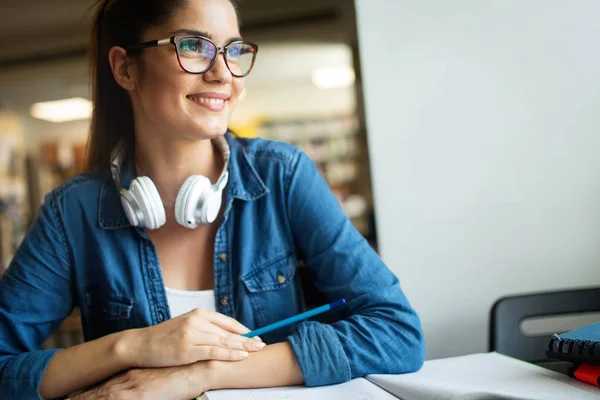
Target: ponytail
{"type": "Point", "coordinates": [117, 23]}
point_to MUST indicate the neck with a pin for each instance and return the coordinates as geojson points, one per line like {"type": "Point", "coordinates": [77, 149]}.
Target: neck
{"type": "Point", "coordinates": [169, 162]}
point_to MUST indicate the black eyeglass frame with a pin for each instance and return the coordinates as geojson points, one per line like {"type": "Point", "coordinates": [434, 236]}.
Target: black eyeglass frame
{"type": "Point", "coordinates": [175, 40]}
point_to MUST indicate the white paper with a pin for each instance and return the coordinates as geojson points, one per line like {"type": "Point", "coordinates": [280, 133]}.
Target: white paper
{"type": "Point", "coordinates": [484, 376]}
{"type": "Point", "coordinates": [356, 389]}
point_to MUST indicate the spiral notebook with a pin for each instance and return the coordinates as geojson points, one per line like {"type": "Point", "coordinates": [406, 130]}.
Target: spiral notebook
{"type": "Point", "coordinates": [578, 346]}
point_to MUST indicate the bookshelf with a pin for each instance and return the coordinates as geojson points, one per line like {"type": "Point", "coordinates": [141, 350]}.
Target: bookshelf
{"type": "Point", "coordinates": [337, 145]}
{"type": "Point", "coordinates": [13, 184]}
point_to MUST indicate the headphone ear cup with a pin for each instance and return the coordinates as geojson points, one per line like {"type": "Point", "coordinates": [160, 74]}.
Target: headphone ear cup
{"type": "Point", "coordinates": [192, 192]}
{"type": "Point", "coordinates": [150, 204]}
{"type": "Point", "coordinates": [132, 209]}
{"type": "Point", "coordinates": [211, 206]}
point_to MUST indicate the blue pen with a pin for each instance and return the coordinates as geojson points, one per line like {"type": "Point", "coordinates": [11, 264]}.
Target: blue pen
{"type": "Point", "coordinates": [296, 318]}
{"type": "Point", "coordinates": [291, 320]}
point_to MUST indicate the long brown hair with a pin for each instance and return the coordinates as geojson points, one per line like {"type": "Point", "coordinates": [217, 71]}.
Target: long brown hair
{"type": "Point", "coordinates": [117, 23]}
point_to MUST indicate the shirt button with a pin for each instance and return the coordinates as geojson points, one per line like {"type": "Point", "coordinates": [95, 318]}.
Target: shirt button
{"type": "Point", "coordinates": [281, 279]}
{"type": "Point", "coordinates": [224, 301]}
{"type": "Point", "coordinates": [160, 317]}
{"type": "Point", "coordinates": [223, 257]}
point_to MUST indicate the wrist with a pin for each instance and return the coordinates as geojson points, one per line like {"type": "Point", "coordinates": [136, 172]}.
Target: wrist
{"type": "Point", "coordinates": [124, 349]}
{"type": "Point", "coordinates": [200, 378]}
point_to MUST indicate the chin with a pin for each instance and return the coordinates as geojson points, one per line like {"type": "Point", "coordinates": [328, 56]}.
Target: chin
{"type": "Point", "coordinates": [210, 131]}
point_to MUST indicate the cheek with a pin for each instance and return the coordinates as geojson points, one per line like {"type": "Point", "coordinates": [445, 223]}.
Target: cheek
{"type": "Point", "coordinates": [156, 99]}
{"type": "Point", "coordinates": [160, 77]}
{"type": "Point", "coordinates": [238, 85]}
{"type": "Point", "coordinates": [161, 93]}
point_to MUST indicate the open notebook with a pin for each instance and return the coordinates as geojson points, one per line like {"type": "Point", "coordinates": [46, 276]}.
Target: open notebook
{"type": "Point", "coordinates": [473, 377]}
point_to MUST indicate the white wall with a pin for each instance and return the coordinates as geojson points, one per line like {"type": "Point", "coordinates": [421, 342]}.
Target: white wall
{"type": "Point", "coordinates": [483, 120]}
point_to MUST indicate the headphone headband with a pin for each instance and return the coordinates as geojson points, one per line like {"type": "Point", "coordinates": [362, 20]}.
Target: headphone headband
{"type": "Point", "coordinates": [223, 146]}
{"type": "Point", "coordinates": [118, 155]}
{"type": "Point", "coordinates": [116, 160]}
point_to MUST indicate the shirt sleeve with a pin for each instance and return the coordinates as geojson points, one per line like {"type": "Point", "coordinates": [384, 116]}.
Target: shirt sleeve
{"type": "Point", "coordinates": [35, 296]}
{"type": "Point", "coordinates": [379, 331]}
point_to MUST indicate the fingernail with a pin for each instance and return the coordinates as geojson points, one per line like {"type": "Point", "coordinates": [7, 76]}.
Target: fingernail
{"type": "Point", "coordinates": [240, 354]}
{"type": "Point", "coordinates": [259, 345]}
{"type": "Point", "coordinates": [257, 338]}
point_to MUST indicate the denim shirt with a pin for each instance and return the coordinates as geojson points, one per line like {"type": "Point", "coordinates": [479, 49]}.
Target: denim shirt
{"type": "Point", "coordinates": [279, 210]}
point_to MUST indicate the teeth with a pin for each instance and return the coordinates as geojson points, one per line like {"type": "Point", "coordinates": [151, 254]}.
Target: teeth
{"type": "Point", "coordinates": [205, 100]}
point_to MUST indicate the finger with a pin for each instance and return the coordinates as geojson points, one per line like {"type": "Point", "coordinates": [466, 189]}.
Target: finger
{"type": "Point", "coordinates": [236, 342]}
{"type": "Point", "coordinates": [208, 327]}
{"type": "Point", "coordinates": [91, 394]}
{"type": "Point", "coordinates": [102, 389]}
{"type": "Point", "coordinates": [218, 353]}
{"type": "Point", "coordinates": [120, 395]}
{"type": "Point", "coordinates": [121, 387]}
{"type": "Point", "coordinates": [116, 381]}
{"type": "Point", "coordinates": [224, 322]}
{"type": "Point", "coordinates": [114, 392]}
{"type": "Point", "coordinates": [225, 340]}
{"type": "Point", "coordinates": [73, 396]}
{"type": "Point", "coordinates": [81, 396]}
{"type": "Point", "coordinates": [134, 394]}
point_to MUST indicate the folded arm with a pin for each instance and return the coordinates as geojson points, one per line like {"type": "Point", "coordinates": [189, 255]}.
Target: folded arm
{"type": "Point", "coordinates": [378, 332]}
{"type": "Point", "coordinates": [275, 365]}
{"type": "Point", "coordinates": [35, 296]}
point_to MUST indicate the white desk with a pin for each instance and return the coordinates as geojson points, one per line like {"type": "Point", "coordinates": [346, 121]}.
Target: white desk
{"type": "Point", "coordinates": [473, 377]}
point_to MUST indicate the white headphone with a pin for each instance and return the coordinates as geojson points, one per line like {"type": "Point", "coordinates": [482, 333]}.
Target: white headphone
{"type": "Point", "coordinates": [198, 201]}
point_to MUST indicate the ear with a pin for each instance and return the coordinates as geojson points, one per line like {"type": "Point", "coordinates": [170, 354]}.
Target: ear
{"type": "Point", "coordinates": [122, 67]}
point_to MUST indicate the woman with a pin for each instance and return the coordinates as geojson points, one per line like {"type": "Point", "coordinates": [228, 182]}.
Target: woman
{"type": "Point", "coordinates": [167, 277]}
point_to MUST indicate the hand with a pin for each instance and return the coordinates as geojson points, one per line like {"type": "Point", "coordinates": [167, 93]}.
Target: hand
{"type": "Point", "coordinates": [174, 383]}
{"type": "Point", "coordinates": [196, 336]}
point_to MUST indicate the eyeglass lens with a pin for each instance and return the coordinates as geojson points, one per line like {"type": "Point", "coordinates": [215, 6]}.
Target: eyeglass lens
{"type": "Point", "coordinates": [196, 55]}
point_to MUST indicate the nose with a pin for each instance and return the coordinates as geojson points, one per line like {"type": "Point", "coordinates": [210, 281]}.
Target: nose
{"type": "Point", "coordinates": [219, 71]}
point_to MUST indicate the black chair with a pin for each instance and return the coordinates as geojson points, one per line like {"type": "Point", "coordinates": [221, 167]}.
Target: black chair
{"type": "Point", "coordinates": [509, 312]}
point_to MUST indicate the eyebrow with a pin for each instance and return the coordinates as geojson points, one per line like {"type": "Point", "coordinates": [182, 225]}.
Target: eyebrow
{"type": "Point", "coordinates": [194, 32]}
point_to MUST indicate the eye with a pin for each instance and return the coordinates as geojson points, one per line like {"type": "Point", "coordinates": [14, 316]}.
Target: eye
{"type": "Point", "coordinates": [197, 47]}
{"type": "Point", "coordinates": [239, 50]}
{"type": "Point", "coordinates": [234, 51]}
{"type": "Point", "coordinates": [190, 45]}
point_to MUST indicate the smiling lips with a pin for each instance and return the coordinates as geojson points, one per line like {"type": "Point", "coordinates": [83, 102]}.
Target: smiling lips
{"type": "Point", "coordinates": [212, 101]}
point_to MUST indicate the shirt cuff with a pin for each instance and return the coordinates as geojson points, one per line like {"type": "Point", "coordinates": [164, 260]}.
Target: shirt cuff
{"type": "Point", "coordinates": [320, 354]}
{"type": "Point", "coordinates": [21, 375]}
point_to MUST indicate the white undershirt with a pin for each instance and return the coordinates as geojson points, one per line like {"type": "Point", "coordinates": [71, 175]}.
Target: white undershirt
{"type": "Point", "coordinates": [183, 301]}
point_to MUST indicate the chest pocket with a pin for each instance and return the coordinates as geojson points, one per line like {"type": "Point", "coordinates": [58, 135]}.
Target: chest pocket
{"type": "Point", "coordinates": [106, 313]}
{"type": "Point", "coordinates": [273, 291]}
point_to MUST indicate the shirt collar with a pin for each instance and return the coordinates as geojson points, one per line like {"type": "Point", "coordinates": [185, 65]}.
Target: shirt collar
{"type": "Point", "coordinates": [244, 184]}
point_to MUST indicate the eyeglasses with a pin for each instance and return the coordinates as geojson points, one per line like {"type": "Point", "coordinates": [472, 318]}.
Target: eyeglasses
{"type": "Point", "coordinates": [197, 54]}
